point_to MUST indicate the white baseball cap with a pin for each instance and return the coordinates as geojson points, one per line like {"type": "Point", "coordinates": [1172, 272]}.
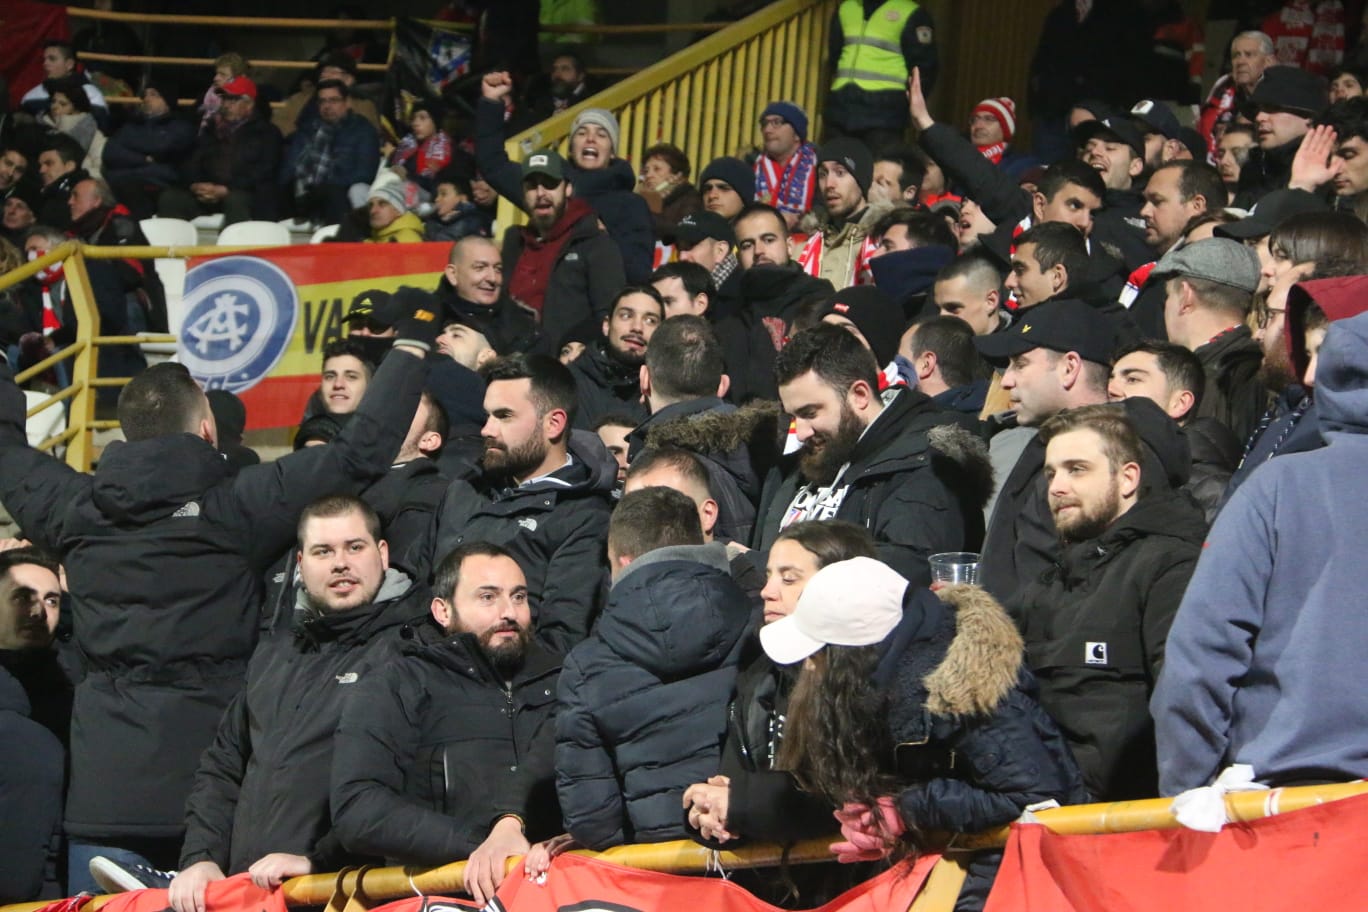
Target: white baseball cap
{"type": "Point", "coordinates": [854, 602]}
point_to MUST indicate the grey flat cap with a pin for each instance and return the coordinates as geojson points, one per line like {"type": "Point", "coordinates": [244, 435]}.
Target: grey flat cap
{"type": "Point", "coordinates": [1218, 260]}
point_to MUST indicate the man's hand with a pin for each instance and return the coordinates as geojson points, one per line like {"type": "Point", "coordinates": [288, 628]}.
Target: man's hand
{"type": "Point", "coordinates": [916, 102]}
{"type": "Point", "coordinates": [187, 889]}
{"type": "Point", "coordinates": [486, 866]}
{"type": "Point", "coordinates": [269, 872]}
{"type": "Point", "coordinates": [707, 804]}
{"type": "Point", "coordinates": [1312, 167]}
{"type": "Point", "coordinates": [496, 86]}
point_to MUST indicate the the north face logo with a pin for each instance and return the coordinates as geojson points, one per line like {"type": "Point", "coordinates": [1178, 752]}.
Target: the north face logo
{"type": "Point", "coordinates": [350, 677]}
{"type": "Point", "coordinates": [528, 523]}
{"type": "Point", "coordinates": [189, 511]}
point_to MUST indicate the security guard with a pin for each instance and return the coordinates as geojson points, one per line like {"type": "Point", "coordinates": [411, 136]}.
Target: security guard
{"type": "Point", "coordinates": [875, 44]}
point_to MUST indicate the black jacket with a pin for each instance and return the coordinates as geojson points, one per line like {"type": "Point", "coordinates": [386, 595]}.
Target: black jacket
{"type": "Point", "coordinates": [436, 747]}
{"type": "Point", "coordinates": [605, 386]}
{"type": "Point", "coordinates": [1215, 454]}
{"type": "Point", "coordinates": [764, 804]}
{"type": "Point", "coordinates": [53, 209]}
{"type": "Point", "coordinates": [736, 446]}
{"type": "Point", "coordinates": [645, 698]}
{"type": "Point", "coordinates": [1263, 172]}
{"type": "Point", "coordinates": [30, 795]}
{"type": "Point", "coordinates": [972, 745]}
{"type": "Point", "coordinates": [1235, 394]}
{"type": "Point", "coordinates": [557, 529]}
{"type": "Point", "coordinates": [1095, 626]}
{"type": "Point", "coordinates": [609, 191]}
{"type": "Point", "coordinates": [771, 297]}
{"type": "Point", "coordinates": [167, 140]}
{"type": "Point", "coordinates": [586, 278]}
{"type": "Point", "coordinates": [405, 500]}
{"type": "Point", "coordinates": [262, 785]}
{"type": "Point", "coordinates": [48, 684]}
{"type": "Point", "coordinates": [917, 481]}
{"type": "Point", "coordinates": [164, 554]}
{"type": "Point", "coordinates": [246, 161]}
{"type": "Point", "coordinates": [1020, 542]}
{"type": "Point", "coordinates": [515, 324]}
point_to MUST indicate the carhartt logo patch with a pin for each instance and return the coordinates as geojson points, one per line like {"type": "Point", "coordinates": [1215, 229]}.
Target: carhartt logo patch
{"type": "Point", "coordinates": [1095, 654]}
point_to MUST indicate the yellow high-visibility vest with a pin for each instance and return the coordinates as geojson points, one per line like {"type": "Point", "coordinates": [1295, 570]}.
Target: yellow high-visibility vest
{"type": "Point", "coordinates": [871, 57]}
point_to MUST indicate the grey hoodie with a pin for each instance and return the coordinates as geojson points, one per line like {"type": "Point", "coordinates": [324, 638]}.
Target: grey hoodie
{"type": "Point", "coordinates": [1267, 651]}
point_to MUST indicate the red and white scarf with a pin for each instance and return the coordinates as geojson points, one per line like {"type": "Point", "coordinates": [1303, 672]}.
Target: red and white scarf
{"type": "Point", "coordinates": [994, 152]}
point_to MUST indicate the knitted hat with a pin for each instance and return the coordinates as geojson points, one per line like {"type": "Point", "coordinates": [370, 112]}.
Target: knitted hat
{"type": "Point", "coordinates": [599, 117]}
{"type": "Point", "coordinates": [853, 155]}
{"type": "Point", "coordinates": [875, 314]}
{"type": "Point", "coordinates": [792, 115]}
{"type": "Point", "coordinates": [392, 192]}
{"type": "Point", "coordinates": [734, 173]}
{"type": "Point", "coordinates": [1004, 110]}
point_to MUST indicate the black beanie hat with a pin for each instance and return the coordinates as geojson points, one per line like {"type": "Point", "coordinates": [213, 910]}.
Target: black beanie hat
{"type": "Point", "coordinates": [875, 314]}
{"type": "Point", "coordinates": [852, 155]}
{"type": "Point", "coordinates": [737, 174]}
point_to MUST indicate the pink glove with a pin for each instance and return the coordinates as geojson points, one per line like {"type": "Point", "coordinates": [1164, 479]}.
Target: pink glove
{"type": "Point", "coordinates": [869, 831]}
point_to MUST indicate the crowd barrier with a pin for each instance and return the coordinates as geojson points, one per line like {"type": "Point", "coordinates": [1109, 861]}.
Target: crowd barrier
{"type": "Point", "coordinates": [707, 98]}
{"type": "Point", "coordinates": [362, 888]}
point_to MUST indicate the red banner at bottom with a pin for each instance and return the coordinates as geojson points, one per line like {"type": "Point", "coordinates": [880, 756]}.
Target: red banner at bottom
{"type": "Point", "coordinates": [1306, 859]}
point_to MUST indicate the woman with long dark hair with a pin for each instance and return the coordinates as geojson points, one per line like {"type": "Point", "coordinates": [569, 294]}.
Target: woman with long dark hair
{"type": "Point", "coordinates": [749, 798]}
{"type": "Point", "coordinates": [914, 713]}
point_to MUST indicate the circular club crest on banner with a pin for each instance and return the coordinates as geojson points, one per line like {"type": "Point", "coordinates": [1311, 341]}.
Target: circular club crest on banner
{"type": "Point", "coordinates": [240, 313]}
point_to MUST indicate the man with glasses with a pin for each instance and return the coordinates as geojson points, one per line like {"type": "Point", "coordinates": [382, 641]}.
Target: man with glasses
{"type": "Point", "coordinates": [561, 264]}
{"type": "Point", "coordinates": [329, 163]}
{"type": "Point", "coordinates": [786, 171]}
{"type": "Point", "coordinates": [233, 168]}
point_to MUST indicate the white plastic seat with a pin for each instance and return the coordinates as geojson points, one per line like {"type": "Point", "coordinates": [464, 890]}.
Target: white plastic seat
{"type": "Point", "coordinates": [169, 232]}
{"type": "Point", "coordinates": [322, 234]}
{"type": "Point", "coordinates": [264, 234]}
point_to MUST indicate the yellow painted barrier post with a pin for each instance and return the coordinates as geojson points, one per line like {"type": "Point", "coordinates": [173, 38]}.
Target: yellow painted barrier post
{"type": "Point", "coordinates": [81, 449]}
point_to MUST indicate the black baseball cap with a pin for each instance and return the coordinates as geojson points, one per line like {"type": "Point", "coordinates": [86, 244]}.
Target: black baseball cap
{"type": "Point", "coordinates": [1060, 324]}
{"type": "Point", "coordinates": [1157, 117]}
{"type": "Point", "coordinates": [1113, 129]}
{"type": "Point", "coordinates": [375, 305]}
{"type": "Point", "coordinates": [697, 227]}
{"type": "Point", "coordinates": [1270, 212]}
{"type": "Point", "coordinates": [1289, 88]}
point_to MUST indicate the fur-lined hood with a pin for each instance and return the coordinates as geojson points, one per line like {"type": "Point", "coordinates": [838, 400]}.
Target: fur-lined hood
{"type": "Point", "coordinates": [955, 654]}
{"type": "Point", "coordinates": [969, 454]}
{"type": "Point", "coordinates": [755, 425]}
{"type": "Point", "coordinates": [983, 661]}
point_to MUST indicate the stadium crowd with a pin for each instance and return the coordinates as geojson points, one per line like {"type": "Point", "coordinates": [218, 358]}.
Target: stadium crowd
{"type": "Point", "coordinates": [581, 549]}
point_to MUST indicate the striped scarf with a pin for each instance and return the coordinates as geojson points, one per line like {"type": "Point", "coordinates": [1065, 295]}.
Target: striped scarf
{"type": "Point", "coordinates": [788, 189]}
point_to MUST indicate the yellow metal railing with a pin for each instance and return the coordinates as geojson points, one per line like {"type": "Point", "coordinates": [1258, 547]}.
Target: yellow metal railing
{"type": "Point", "coordinates": [707, 98]}
{"type": "Point", "coordinates": [78, 438]}
{"type": "Point", "coordinates": [369, 886]}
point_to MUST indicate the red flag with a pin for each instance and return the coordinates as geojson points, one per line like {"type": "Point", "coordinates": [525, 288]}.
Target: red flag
{"type": "Point", "coordinates": [24, 26]}
{"type": "Point", "coordinates": [1307, 859]}
{"type": "Point", "coordinates": [232, 894]}
{"type": "Point", "coordinates": [589, 884]}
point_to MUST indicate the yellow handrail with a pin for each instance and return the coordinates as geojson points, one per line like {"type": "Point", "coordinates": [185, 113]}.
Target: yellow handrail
{"type": "Point", "coordinates": [686, 857]}
{"type": "Point", "coordinates": [775, 53]}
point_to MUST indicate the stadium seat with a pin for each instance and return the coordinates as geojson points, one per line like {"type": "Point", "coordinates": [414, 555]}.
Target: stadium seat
{"type": "Point", "coordinates": [262, 234]}
{"type": "Point", "coordinates": [170, 232]}
{"type": "Point", "coordinates": [322, 234]}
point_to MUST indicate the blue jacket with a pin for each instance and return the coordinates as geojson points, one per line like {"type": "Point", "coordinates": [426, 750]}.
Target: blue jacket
{"type": "Point", "coordinates": [1269, 639]}
{"type": "Point", "coordinates": [644, 700]}
{"type": "Point", "coordinates": [168, 140]}
{"type": "Point", "coordinates": [355, 152]}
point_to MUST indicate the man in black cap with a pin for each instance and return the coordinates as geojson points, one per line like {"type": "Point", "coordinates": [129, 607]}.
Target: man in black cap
{"type": "Point", "coordinates": [728, 186]}
{"type": "Point", "coordinates": [1163, 135]}
{"type": "Point", "coordinates": [1116, 150]}
{"type": "Point", "coordinates": [1056, 357]}
{"type": "Point", "coordinates": [1209, 288]}
{"type": "Point", "coordinates": [1267, 214]}
{"type": "Point", "coordinates": [1282, 106]}
{"type": "Point", "coordinates": [840, 251]}
{"type": "Point", "coordinates": [145, 154]}
{"type": "Point", "coordinates": [707, 239]}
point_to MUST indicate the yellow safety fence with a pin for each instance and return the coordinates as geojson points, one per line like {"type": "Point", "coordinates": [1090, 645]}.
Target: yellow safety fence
{"type": "Point", "coordinates": [356, 889]}
{"type": "Point", "coordinates": [78, 438]}
{"type": "Point", "coordinates": [707, 98]}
